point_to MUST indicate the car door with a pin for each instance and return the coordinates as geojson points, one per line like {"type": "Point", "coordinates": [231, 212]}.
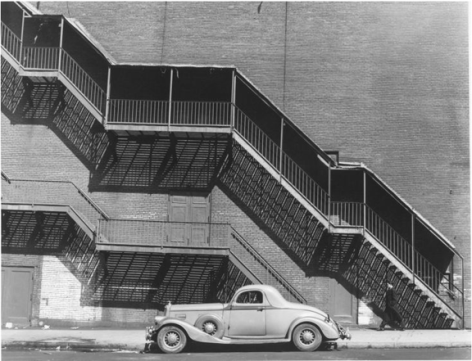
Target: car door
{"type": "Point", "coordinates": [248, 315]}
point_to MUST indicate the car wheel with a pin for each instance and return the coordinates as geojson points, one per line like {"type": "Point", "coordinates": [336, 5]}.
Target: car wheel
{"type": "Point", "coordinates": [211, 325]}
{"type": "Point", "coordinates": [171, 339]}
{"type": "Point", "coordinates": [307, 337]}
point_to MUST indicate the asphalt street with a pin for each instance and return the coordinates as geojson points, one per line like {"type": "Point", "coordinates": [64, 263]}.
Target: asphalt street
{"type": "Point", "coordinates": [255, 354]}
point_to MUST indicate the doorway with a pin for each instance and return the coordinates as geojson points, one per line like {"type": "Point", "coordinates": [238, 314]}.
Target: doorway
{"type": "Point", "coordinates": [17, 294]}
{"type": "Point", "coordinates": [189, 220]}
{"type": "Point", "coordinates": [343, 305]}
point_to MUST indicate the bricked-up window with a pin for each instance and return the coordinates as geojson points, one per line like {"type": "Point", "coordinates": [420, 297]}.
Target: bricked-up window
{"type": "Point", "coordinates": [189, 216]}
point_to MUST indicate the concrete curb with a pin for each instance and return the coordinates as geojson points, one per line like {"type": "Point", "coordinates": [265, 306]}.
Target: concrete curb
{"type": "Point", "coordinates": [403, 345]}
{"type": "Point", "coordinates": [17, 345]}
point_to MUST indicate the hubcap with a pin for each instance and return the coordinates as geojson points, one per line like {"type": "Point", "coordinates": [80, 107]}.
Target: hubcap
{"type": "Point", "coordinates": [209, 328]}
{"type": "Point", "coordinates": [307, 337]}
{"type": "Point", "coordinates": [172, 339]}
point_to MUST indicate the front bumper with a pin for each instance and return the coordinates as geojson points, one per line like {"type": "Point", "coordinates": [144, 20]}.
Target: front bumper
{"type": "Point", "coordinates": [343, 333]}
{"type": "Point", "coordinates": [151, 334]}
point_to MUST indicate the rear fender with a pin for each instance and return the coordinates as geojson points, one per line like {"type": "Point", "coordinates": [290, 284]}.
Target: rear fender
{"type": "Point", "coordinates": [329, 332]}
{"type": "Point", "coordinates": [192, 332]}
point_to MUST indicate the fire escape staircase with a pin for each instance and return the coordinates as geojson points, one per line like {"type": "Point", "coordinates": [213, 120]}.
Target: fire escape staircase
{"type": "Point", "coordinates": [274, 161]}
{"type": "Point", "coordinates": [24, 195]}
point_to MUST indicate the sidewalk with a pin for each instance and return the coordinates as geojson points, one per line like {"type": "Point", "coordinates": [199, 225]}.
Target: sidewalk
{"type": "Point", "coordinates": [133, 340]}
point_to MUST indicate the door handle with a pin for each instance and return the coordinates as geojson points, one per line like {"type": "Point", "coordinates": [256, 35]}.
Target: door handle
{"type": "Point", "coordinates": [260, 309]}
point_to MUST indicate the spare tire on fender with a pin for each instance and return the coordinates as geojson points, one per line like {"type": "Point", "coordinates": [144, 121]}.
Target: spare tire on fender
{"type": "Point", "coordinates": [211, 325]}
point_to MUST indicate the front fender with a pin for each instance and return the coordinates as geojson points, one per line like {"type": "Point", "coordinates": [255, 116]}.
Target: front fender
{"type": "Point", "coordinates": [192, 332]}
{"type": "Point", "coordinates": [329, 332]}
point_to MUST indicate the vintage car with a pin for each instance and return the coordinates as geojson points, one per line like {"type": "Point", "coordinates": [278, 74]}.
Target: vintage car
{"type": "Point", "coordinates": [256, 314]}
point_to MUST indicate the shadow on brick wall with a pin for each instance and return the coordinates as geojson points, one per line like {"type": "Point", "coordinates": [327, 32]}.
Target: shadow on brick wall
{"type": "Point", "coordinates": [150, 281]}
{"type": "Point", "coordinates": [153, 164]}
{"type": "Point", "coordinates": [120, 279]}
{"type": "Point", "coordinates": [271, 207]}
{"type": "Point", "coordinates": [71, 122]}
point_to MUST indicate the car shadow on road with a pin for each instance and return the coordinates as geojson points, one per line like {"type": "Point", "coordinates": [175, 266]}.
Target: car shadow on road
{"type": "Point", "coordinates": [198, 347]}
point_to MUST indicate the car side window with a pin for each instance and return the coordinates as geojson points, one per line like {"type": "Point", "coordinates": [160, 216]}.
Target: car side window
{"type": "Point", "coordinates": [250, 297]}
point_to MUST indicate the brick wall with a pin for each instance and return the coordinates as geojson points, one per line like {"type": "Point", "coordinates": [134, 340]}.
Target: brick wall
{"type": "Point", "coordinates": [385, 84]}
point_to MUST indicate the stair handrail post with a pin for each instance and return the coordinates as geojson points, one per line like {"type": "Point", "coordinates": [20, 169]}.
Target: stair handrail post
{"type": "Point", "coordinates": [61, 40]}
{"type": "Point", "coordinates": [282, 125]}
{"type": "Point", "coordinates": [413, 218]}
{"type": "Point", "coordinates": [107, 104]}
{"type": "Point", "coordinates": [233, 100]}
{"type": "Point", "coordinates": [21, 39]}
{"type": "Point", "coordinates": [170, 97]}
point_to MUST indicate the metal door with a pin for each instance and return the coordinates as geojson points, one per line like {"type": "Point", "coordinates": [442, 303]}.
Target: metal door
{"type": "Point", "coordinates": [178, 215]}
{"type": "Point", "coordinates": [189, 220]}
{"type": "Point", "coordinates": [17, 292]}
{"type": "Point", "coordinates": [342, 303]}
{"type": "Point", "coordinates": [199, 214]}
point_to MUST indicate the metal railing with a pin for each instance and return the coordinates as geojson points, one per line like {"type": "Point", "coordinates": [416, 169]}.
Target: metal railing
{"type": "Point", "coordinates": [305, 184]}
{"type": "Point", "coordinates": [383, 232]}
{"type": "Point", "coordinates": [164, 233]}
{"type": "Point", "coordinates": [11, 42]}
{"type": "Point", "coordinates": [190, 113]}
{"type": "Point", "coordinates": [52, 192]}
{"type": "Point", "coordinates": [257, 138]}
{"type": "Point", "coordinates": [287, 168]}
{"type": "Point", "coordinates": [83, 82]}
{"type": "Point", "coordinates": [40, 58]}
{"type": "Point", "coordinates": [420, 267]}
{"type": "Point", "coordinates": [138, 111]}
{"type": "Point", "coordinates": [201, 113]}
{"type": "Point", "coordinates": [347, 214]}
{"type": "Point", "coordinates": [268, 275]}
